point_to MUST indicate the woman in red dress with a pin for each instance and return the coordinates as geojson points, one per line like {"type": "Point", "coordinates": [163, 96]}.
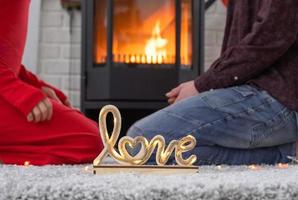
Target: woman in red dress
{"type": "Point", "coordinates": [38, 124]}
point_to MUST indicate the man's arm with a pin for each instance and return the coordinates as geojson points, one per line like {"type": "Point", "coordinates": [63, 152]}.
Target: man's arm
{"type": "Point", "coordinates": [273, 33]}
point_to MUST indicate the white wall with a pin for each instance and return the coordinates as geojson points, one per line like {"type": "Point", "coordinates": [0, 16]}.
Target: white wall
{"type": "Point", "coordinates": [30, 58]}
{"type": "Point", "coordinates": [60, 48]}
{"type": "Point", "coordinates": [214, 30]}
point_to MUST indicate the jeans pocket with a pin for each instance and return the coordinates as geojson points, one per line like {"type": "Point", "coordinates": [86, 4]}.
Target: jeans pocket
{"type": "Point", "coordinates": [275, 131]}
{"type": "Point", "coordinates": [227, 96]}
{"type": "Point", "coordinates": [245, 90]}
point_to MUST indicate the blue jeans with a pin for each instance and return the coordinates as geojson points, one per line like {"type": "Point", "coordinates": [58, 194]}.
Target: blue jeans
{"type": "Point", "coordinates": [235, 126]}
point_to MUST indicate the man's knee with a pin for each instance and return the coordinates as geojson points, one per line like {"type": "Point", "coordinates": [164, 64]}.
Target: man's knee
{"type": "Point", "coordinates": [134, 131]}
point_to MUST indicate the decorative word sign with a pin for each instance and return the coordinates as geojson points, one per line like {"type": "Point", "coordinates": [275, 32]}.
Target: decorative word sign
{"type": "Point", "coordinates": [136, 161]}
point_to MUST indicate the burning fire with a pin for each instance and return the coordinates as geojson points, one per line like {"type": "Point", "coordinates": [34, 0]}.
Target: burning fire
{"type": "Point", "coordinates": [144, 35]}
{"type": "Point", "coordinates": [155, 49]}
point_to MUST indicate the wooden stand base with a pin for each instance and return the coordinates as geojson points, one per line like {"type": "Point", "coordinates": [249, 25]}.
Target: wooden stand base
{"type": "Point", "coordinates": [146, 169]}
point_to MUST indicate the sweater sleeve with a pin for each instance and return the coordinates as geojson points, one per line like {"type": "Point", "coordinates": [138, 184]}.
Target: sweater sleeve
{"type": "Point", "coordinates": [22, 96]}
{"type": "Point", "coordinates": [33, 80]}
{"type": "Point", "coordinates": [273, 33]}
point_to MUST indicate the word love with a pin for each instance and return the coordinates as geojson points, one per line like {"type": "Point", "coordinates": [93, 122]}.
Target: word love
{"type": "Point", "coordinates": [123, 155]}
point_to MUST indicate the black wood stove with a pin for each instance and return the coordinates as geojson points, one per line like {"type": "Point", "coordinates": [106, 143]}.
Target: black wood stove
{"type": "Point", "coordinates": [134, 51]}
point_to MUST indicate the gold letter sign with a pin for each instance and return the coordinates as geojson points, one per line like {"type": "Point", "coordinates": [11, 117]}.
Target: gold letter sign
{"type": "Point", "coordinates": [136, 162]}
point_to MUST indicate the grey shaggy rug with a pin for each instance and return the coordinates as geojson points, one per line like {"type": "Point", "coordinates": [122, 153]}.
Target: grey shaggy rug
{"type": "Point", "coordinates": [72, 182]}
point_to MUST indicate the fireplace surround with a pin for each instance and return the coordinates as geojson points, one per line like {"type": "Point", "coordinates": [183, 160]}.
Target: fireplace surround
{"type": "Point", "coordinates": [134, 51]}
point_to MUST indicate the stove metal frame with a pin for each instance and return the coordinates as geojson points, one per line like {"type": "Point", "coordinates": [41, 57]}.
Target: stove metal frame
{"type": "Point", "coordinates": [129, 86]}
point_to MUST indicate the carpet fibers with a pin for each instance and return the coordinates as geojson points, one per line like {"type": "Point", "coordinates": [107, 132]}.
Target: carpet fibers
{"type": "Point", "coordinates": [73, 182]}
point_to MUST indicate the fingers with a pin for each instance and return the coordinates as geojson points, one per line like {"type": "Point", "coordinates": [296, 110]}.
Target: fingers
{"type": "Point", "coordinates": [42, 112]}
{"type": "Point", "coordinates": [54, 96]}
{"type": "Point", "coordinates": [30, 117]}
{"type": "Point", "coordinates": [171, 100]}
{"type": "Point", "coordinates": [67, 103]}
{"type": "Point", "coordinates": [37, 114]}
{"type": "Point", "coordinates": [177, 99]}
{"type": "Point", "coordinates": [51, 94]}
{"type": "Point", "coordinates": [174, 92]}
{"type": "Point", "coordinates": [49, 105]}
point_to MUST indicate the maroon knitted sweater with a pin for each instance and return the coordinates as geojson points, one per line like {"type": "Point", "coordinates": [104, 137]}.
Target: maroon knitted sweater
{"type": "Point", "coordinates": [260, 48]}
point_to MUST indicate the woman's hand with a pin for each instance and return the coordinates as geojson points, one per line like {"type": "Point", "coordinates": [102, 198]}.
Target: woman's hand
{"type": "Point", "coordinates": [42, 112]}
{"type": "Point", "coordinates": [52, 95]}
{"type": "Point", "coordinates": [181, 92]}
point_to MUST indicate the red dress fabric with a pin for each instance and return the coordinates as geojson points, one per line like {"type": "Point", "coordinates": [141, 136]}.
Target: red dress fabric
{"type": "Point", "coordinates": [225, 2]}
{"type": "Point", "coordinates": [68, 138]}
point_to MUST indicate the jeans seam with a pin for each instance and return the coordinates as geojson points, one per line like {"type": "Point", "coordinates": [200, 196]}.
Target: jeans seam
{"type": "Point", "coordinates": [194, 122]}
{"type": "Point", "coordinates": [228, 116]}
{"type": "Point", "coordinates": [285, 116]}
{"type": "Point", "coordinates": [231, 116]}
{"type": "Point", "coordinates": [141, 131]}
{"type": "Point", "coordinates": [207, 102]}
{"type": "Point", "coordinates": [241, 95]}
{"type": "Point", "coordinates": [223, 119]}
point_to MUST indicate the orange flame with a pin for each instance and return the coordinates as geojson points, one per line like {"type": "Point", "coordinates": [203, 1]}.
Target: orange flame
{"type": "Point", "coordinates": [155, 49]}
